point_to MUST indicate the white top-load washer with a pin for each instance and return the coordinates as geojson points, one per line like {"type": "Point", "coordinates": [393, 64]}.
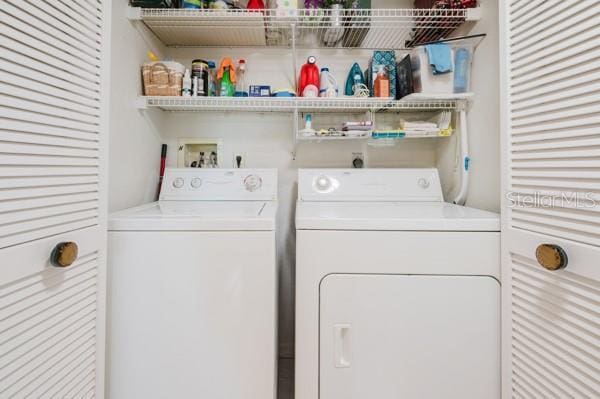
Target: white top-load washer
{"type": "Point", "coordinates": [397, 292]}
{"type": "Point", "coordinates": [193, 289]}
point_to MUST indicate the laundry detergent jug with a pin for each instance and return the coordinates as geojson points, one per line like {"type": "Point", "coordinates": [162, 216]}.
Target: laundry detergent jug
{"type": "Point", "coordinates": [309, 79]}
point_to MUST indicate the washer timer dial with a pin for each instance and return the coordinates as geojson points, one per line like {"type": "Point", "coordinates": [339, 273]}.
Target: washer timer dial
{"type": "Point", "coordinates": [323, 183]}
{"type": "Point", "coordinates": [196, 182]}
{"type": "Point", "coordinates": [252, 183]}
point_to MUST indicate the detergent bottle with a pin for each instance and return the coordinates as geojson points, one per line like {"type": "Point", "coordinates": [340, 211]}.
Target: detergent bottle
{"type": "Point", "coordinates": [226, 75]}
{"type": "Point", "coordinates": [309, 79]}
{"type": "Point", "coordinates": [255, 5]}
{"type": "Point", "coordinates": [328, 87]}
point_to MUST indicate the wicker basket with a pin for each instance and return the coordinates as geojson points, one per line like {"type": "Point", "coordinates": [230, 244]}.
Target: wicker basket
{"type": "Point", "coordinates": [160, 80]}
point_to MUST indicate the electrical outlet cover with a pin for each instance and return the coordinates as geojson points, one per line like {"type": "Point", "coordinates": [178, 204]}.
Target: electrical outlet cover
{"type": "Point", "coordinates": [234, 161]}
{"type": "Point", "coordinates": [358, 160]}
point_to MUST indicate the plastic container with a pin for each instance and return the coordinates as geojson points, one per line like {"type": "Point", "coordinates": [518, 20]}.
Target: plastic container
{"type": "Point", "coordinates": [186, 89]}
{"type": "Point", "coordinates": [212, 79]}
{"type": "Point", "coordinates": [381, 86]}
{"type": "Point", "coordinates": [240, 88]}
{"type": "Point", "coordinates": [200, 71]}
{"type": "Point", "coordinates": [457, 81]}
{"type": "Point", "coordinates": [309, 79]}
{"type": "Point", "coordinates": [328, 86]}
{"type": "Point", "coordinates": [462, 69]}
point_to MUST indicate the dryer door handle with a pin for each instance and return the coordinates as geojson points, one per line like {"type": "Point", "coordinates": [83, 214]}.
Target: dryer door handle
{"type": "Point", "coordinates": [341, 345]}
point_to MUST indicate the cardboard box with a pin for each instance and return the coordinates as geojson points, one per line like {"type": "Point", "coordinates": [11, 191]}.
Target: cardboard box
{"type": "Point", "coordinates": [259, 91]}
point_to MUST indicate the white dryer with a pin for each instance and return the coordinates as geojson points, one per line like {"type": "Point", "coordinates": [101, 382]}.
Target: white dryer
{"type": "Point", "coordinates": [397, 292]}
{"type": "Point", "coordinates": [193, 290]}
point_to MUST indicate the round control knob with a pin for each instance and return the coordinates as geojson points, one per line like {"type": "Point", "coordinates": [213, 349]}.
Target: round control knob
{"type": "Point", "coordinates": [323, 183]}
{"type": "Point", "coordinates": [196, 182]}
{"type": "Point", "coordinates": [178, 182]}
{"type": "Point", "coordinates": [423, 183]}
{"type": "Point", "coordinates": [252, 182]}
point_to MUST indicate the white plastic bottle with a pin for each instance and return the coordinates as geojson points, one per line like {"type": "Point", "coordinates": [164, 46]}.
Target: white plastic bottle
{"type": "Point", "coordinates": [241, 90]}
{"type": "Point", "coordinates": [186, 90]}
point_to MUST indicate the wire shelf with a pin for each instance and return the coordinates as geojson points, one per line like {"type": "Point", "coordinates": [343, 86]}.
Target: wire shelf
{"type": "Point", "coordinates": [323, 28]}
{"type": "Point", "coordinates": [273, 104]}
{"type": "Point", "coordinates": [335, 135]}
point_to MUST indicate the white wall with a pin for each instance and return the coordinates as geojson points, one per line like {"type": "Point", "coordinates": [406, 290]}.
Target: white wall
{"type": "Point", "coordinates": [266, 139]}
{"type": "Point", "coordinates": [135, 140]}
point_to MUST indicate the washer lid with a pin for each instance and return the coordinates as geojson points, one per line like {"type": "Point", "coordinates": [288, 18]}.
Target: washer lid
{"type": "Point", "coordinates": [196, 216]}
{"type": "Point", "coordinates": [393, 216]}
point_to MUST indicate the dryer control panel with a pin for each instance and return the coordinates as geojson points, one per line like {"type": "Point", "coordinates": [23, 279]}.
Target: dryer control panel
{"type": "Point", "coordinates": [369, 185]}
{"type": "Point", "coordinates": [219, 184]}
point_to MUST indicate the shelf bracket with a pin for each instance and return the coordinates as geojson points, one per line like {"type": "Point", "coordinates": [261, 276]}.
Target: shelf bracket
{"type": "Point", "coordinates": [473, 14]}
{"type": "Point", "coordinates": [294, 58]}
{"type": "Point", "coordinates": [295, 134]}
{"type": "Point", "coordinates": [140, 103]}
{"type": "Point", "coordinates": [134, 13]}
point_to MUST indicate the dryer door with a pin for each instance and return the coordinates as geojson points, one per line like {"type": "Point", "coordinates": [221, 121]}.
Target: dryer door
{"type": "Point", "coordinates": [409, 336]}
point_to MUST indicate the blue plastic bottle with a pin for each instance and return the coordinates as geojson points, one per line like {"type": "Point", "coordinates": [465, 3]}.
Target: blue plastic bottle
{"type": "Point", "coordinates": [462, 59]}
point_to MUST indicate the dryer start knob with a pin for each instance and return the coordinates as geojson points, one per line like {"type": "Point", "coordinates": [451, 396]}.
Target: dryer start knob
{"type": "Point", "coordinates": [178, 182]}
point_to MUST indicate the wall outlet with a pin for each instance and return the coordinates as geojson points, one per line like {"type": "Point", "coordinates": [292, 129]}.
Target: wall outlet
{"type": "Point", "coordinates": [358, 160]}
{"type": "Point", "coordinates": [239, 160]}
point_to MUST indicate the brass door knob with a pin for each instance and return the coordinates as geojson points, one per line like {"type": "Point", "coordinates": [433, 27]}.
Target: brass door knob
{"type": "Point", "coordinates": [64, 254]}
{"type": "Point", "coordinates": [551, 257]}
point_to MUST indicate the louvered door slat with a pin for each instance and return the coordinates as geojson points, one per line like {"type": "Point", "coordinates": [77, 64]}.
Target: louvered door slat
{"type": "Point", "coordinates": [26, 94]}
{"type": "Point", "coordinates": [551, 116]}
{"type": "Point", "coordinates": [67, 13]}
{"type": "Point", "coordinates": [12, 136]}
{"type": "Point", "coordinates": [45, 129]}
{"type": "Point", "coordinates": [53, 123]}
{"type": "Point", "coordinates": [21, 87]}
{"type": "Point", "coordinates": [556, 144]}
{"type": "Point", "coordinates": [570, 34]}
{"type": "Point", "coordinates": [53, 150]}
{"type": "Point", "coordinates": [52, 17]}
{"type": "Point", "coordinates": [531, 22]}
{"type": "Point", "coordinates": [77, 386]}
{"type": "Point", "coordinates": [43, 40]}
{"type": "Point", "coordinates": [45, 119]}
{"type": "Point", "coordinates": [53, 110]}
{"type": "Point", "coordinates": [49, 62]}
{"type": "Point", "coordinates": [28, 68]}
{"type": "Point", "coordinates": [571, 75]}
{"type": "Point", "coordinates": [25, 14]}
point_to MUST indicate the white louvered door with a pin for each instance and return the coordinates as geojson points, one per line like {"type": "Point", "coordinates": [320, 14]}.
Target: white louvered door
{"type": "Point", "coordinates": [551, 178]}
{"type": "Point", "coordinates": [53, 129]}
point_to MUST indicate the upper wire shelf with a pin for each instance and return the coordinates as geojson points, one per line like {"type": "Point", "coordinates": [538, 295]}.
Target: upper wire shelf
{"type": "Point", "coordinates": [300, 104]}
{"type": "Point", "coordinates": [322, 28]}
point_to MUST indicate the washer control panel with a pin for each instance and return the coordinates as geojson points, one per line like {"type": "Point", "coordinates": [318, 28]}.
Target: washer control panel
{"type": "Point", "coordinates": [219, 184]}
{"type": "Point", "coordinates": [369, 185]}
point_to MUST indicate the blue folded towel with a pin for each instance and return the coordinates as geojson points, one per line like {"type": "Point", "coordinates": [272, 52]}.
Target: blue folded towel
{"type": "Point", "coordinates": [440, 58]}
